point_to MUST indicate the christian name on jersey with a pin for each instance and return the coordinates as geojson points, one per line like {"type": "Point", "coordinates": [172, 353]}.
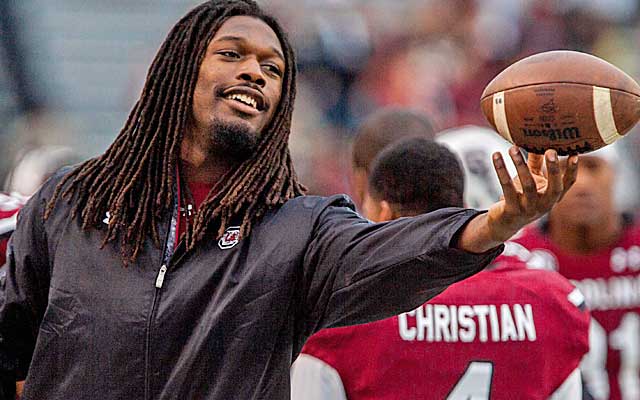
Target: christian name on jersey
{"type": "Point", "coordinates": [468, 323]}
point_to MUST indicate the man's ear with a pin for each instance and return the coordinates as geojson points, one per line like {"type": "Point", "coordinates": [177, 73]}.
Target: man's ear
{"type": "Point", "coordinates": [359, 183]}
{"type": "Point", "coordinates": [386, 211]}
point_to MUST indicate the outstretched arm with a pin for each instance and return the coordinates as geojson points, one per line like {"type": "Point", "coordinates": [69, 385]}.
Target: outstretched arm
{"type": "Point", "coordinates": [540, 184]}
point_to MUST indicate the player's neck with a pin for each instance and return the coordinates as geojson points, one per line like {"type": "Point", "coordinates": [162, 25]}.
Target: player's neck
{"type": "Point", "coordinates": [585, 238]}
{"type": "Point", "coordinates": [198, 164]}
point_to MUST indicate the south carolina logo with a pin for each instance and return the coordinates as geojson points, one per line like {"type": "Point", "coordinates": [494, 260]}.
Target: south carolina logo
{"type": "Point", "coordinates": [230, 238]}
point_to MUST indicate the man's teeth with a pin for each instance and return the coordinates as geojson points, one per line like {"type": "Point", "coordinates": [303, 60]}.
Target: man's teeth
{"type": "Point", "coordinates": [244, 99]}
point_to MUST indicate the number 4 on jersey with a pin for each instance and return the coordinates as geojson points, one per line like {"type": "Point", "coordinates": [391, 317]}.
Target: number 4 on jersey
{"type": "Point", "coordinates": [475, 383]}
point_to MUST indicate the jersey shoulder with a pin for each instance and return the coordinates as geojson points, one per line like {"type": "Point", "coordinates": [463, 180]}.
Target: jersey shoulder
{"type": "Point", "coordinates": [10, 203]}
{"type": "Point", "coordinates": [537, 281]}
{"type": "Point", "coordinates": [514, 283]}
{"type": "Point", "coordinates": [336, 346]}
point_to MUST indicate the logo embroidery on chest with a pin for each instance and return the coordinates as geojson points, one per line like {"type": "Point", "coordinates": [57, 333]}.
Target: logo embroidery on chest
{"type": "Point", "coordinates": [230, 238]}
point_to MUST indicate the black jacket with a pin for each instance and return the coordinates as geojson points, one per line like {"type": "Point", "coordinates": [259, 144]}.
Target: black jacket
{"type": "Point", "coordinates": [224, 323]}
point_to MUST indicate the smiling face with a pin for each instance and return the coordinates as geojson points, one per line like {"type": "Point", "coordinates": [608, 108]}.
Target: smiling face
{"type": "Point", "coordinates": [240, 78]}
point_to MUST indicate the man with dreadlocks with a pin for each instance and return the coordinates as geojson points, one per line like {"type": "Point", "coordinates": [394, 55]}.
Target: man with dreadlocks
{"type": "Point", "coordinates": [185, 261]}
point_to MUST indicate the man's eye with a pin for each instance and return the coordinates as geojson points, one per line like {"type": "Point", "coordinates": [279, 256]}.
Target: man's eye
{"type": "Point", "coordinates": [273, 69]}
{"type": "Point", "coordinates": [229, 53]}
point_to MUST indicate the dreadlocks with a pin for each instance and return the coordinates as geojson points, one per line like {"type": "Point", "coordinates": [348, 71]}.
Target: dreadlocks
{"type": "Point", "coordinates": [134, 180]}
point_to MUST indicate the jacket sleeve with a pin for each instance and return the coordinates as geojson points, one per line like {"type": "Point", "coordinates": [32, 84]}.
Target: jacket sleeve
{"type": "Point", "coordinates": [357, 271]}
{"type": "Point", "coordinates": [24, 289]}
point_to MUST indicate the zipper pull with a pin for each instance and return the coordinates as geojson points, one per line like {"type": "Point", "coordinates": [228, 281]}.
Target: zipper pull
{"type": "Point", "coordinates": [160, 278]}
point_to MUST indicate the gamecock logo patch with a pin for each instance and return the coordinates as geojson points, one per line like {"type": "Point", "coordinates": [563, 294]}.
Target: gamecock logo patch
{"type": "Point", "coordinates": [230, 238]}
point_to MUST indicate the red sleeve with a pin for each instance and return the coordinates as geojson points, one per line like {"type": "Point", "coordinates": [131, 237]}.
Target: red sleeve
{"type": "Point", "coordinates": [3, 251]}
{"type": "Point", "coordinates": [8, 208]}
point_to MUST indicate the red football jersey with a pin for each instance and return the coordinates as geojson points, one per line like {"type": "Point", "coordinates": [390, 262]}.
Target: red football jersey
{"type": "Point", "coordinates": [9, 206]}
{"type": "Point", "coordinates": [610, 282]}
{"type": "Point", "coordinates": [507, 333]}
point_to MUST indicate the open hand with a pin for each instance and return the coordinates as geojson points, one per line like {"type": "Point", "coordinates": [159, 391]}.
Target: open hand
{"type": "Point", "coordinates": [539, 185]}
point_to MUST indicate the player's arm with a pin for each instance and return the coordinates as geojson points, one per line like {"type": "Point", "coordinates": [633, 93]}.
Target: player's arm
{"type": "Point", "coordinates": [354, 271]}
{"type": "Point", "coordinates": [24, 287]}
{"type": "Point", "coordinates": [313, 379]}
{"type": "Point", "coordinates": [357, 272]}
{"type": "Point", "coordinates": [532, 194]}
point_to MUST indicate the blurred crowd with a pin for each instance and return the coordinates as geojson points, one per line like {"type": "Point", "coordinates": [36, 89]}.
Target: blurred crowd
{"type": "Point", "coordinates": [435, 56]}
{"type": "Point", "coordinates": [355, 56]}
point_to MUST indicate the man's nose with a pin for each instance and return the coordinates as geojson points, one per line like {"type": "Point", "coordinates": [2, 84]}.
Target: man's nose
{"type": "Point", "coordinates": [251, 71]}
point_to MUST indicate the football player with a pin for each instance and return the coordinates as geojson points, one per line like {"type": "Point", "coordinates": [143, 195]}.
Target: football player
{"type": "Point", "coordinates": [377, 131]}
{"type": "Point", "coordinates": [588, 240]}
{"type": "Point", "coordinates": [35, 167]}
{"type": "Point", "coordinates": [30, 171]}
{"type": "Point", "coordinates": [508, 332]}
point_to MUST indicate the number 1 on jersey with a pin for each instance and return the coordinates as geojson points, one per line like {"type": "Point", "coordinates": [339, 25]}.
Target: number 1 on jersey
{"type": "Point", "coordinates": [475, 383]}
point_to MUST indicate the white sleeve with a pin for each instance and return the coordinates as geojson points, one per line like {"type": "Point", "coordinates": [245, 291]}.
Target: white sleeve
{"type": "Point", "coordinates": [594, 363]}
{"type": "Point", "coordinates": [8, 225]}
{"type": "Point", "coordinates": [313, 379]}
{"type": "Point", "coordinates": [571, 388]}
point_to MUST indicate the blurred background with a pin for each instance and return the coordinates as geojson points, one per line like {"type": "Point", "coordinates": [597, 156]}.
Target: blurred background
{"type": "Point", "coordinates": [70, 70]}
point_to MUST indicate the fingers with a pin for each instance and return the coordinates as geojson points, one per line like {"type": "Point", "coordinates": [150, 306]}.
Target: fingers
{"type": "Point", "coordinates": [526, 179]}
{"type": "Point", "coordinates": [535, 162]}
{"type": "Point", "coordinates": [508, 190]}
{"type": "Point", "coordinates": [554, 178]}
{"type": "Point", "coordinates": [538, 192]}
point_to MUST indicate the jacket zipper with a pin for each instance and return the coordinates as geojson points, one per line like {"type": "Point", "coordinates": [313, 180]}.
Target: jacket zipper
{"type": "Point", "coordinates": [160, 277]}
{"type": "Point", "coordinates": [159, 281]}
{"type": "Point", "coordinates": [147, 347]}
{"type": "Point", "coordinates": [168, 250]}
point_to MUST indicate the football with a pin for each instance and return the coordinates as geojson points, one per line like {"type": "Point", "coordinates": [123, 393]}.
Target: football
{"type": "Point", "coordinates": [564, 100]}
